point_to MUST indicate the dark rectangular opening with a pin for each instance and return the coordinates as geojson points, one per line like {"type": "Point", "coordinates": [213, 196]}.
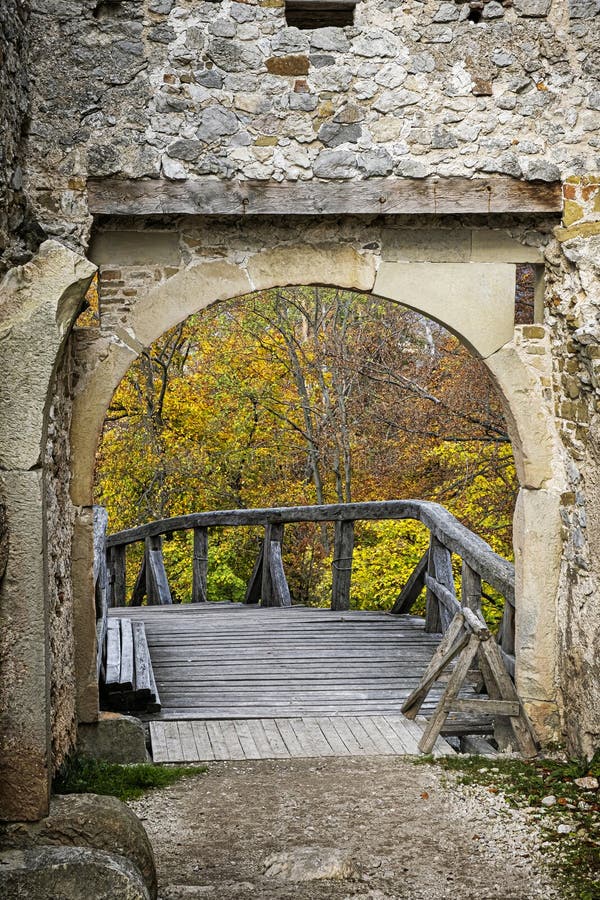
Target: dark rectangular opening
{"type": "Point", "coordinates": [311, 14]}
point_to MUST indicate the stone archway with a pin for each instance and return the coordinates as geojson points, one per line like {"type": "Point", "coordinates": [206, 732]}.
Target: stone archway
{"type": "Point", "coordinates": [473, 298]}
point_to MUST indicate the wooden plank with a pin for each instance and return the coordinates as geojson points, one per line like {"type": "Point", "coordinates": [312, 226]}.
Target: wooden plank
{"type": "Point", "coordinates": [246, 739]}
{"type": "Point", "coordinates": [200, 565]}
{"type": "Point", "coordinates": [453, 687]}
{"type": "Point", "coordinates": [487, 706]}
{"type": "Point", "coordinates": [332, 737]}
{"type": "Point", "coordinates": [218, 741]}
{"type": "Point", "coordinates": [154, 703]}
{"type": "Point", "coordinates": [279, 585]}
{"type": "Point", "coordinates": [215, 197]}
{"type": "Point", "coordinates": [202, 739]}
{"type": "Point", "coordinates": [399, 725]}
{"type": "Point", "coordinates": [311, 738]}
{"type": "Point", "coordinates": [361, 735]}
{"type": "Point", "coordinates": [158, 742]}
{"type": "Point", "coordinates": [126, 675]}
{"type": "Point", "coordinates": [342, 564]}
{"type": "Point", "coordinates": [174, 748]}
{"type": "Point", "coordinates": [433, 621]}
{"type": "Point", "coordinates": [411, 591]}
{"type": "Point", "coordinates": [278, 747]}
{"type": "Point", "coordinates": [187, 742]}
{"type": "Point", "coordinates": [142, 664]}
{"type": "Point", "coordinates": [288, 736]}
{"type": "Point", "coordinates": [442, 558]}
{"type": "Point", "coordinates": [232, 741]}
{"type": "Point", "coordinates": [112, 666]}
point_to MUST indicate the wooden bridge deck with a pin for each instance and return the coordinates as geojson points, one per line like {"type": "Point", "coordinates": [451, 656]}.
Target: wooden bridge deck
{"type": "Point", "coordinates": [241, 682]}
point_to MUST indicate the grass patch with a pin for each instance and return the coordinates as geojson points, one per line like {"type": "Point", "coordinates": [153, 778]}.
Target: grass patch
{"type": "Point", "coordinates": [573, 856]}
{"type": "Point", "coordinates": [82, 775]}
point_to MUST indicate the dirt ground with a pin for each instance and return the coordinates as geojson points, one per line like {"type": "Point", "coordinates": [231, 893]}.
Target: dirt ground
{"type": "Point", "coordinates": [362, 828]}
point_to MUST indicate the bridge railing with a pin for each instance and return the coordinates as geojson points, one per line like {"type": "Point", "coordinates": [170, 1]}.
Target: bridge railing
{"type": "Point", "coordinates": [268, 584]}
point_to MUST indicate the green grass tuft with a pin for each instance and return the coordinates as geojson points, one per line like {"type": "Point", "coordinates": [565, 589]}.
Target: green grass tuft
{"type": "Point", "coordinates": [82, 775]}
{"type": "Point", "coordinates": [573, 858]}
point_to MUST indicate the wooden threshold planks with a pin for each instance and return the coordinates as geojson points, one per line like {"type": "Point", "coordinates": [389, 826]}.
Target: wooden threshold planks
{"type": "Point", "coordinates": [289, 738]}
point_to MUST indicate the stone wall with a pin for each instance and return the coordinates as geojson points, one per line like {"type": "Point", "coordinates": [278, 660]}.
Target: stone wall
{"type": "Point", "coordinates": [18, 231]}
{"type": "Point", "coordinates": [182, 89]}
{"type": "Point", "coordinates": [59, 517]}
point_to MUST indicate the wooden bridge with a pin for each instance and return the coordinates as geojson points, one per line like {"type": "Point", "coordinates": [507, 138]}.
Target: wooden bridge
{"type": "Point", "coordinates": [267, 679]}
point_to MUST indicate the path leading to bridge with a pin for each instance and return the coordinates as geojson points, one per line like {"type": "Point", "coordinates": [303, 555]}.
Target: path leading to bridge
{"type": "Point", "coordinates": [371, 828]}
{"type": "Point", "coordinates": [239, 682]}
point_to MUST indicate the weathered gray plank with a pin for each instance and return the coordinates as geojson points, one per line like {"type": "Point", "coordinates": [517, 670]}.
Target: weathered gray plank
{"type": "Point", "coordinates": [126, 676]}
{"type": "Point", "coordinates": [200, 565]}
{"type": "Point", "coordinates": [113, 654]}
{"type": "Point", "coordinates": [142, 679]}
{"type": "Point", "coordinates": [281, 591]}
{"type": "Point", "coordinates": [202, 739]}
{"type": "Point", "coordinates": [212, 196]}
{"type": "Point", "coordinates": [450, 694]}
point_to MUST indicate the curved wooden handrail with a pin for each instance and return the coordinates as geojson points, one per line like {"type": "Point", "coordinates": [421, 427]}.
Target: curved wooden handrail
{"type": "Point", "coordinates": [494, 569]}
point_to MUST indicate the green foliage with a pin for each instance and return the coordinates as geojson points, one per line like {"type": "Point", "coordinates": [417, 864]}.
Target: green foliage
{"type": "Point", "coordinates": [574, 857]}
{"type": "Point", "coordinates": [83, 775]}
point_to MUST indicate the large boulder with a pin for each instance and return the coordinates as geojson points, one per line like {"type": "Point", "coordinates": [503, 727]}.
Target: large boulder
{"type": "Point", "coordinates": [88, 820]}
{"type": "Point", "coordinates": [68, 873]}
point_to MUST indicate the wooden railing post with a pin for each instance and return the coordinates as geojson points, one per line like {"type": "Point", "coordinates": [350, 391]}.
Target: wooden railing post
{"type": "Point", "coordinates": [471, 588]}
{"type": "Point", "coordinates": [342, 564]}
{"type": "Point", "coordinates": [117, 563]}
{"type": "Point", "coordinates": [157, 585]}
{"type": "Point", "coordinates": [200, 569]}
{"type": "Point", "coordinates": [433, 622]}
{"type": "Point", "coordinates": [273, 532]}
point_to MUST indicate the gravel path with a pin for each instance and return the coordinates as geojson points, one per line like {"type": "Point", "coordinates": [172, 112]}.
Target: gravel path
{"type": "Point", "coordinates": [366, 829]}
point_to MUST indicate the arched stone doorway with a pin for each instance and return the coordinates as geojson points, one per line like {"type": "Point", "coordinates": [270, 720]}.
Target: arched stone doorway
{"type": "Point", "coordinates": [470, 291]}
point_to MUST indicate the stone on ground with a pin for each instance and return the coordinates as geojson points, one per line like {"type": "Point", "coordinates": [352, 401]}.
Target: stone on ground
{"type": "Point", "coordinates": [114, 738]}
{"type": "Point", "coordinates": [89, 821]}
{"type": "Point", "coordinates": [68, 873]}
{"type": "Point", "coordinates": [310, 864]}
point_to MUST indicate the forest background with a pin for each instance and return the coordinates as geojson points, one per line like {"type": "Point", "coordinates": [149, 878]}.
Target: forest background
{"type": "Point", "coordinates": [300, 396]}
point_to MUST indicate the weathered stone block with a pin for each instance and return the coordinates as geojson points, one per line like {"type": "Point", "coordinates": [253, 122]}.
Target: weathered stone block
{"type": "Point", "coordinates": [115, 738]}
{"type": "Point", "coordinates": [426, 244]}
{"type": "Point", "coordinates": [135, 248]}
{"type": "Point", "coordinates": [38, 303]}
{"type": "Point", "coordinates": [334, 264]}
{"type": "Point", "coordinates": [475, 301]}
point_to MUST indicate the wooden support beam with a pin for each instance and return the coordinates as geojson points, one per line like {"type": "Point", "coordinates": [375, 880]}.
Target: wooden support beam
{"type": "Point", "coordinates": [200, 566]}
{"type": "Point", "coordinates": [449, 605]}
{"type": "Point", "coordinates": [157, 584]}
{"type": "Point", "coordinates": [470, 588]}
{"type": "Point", "coordinates": [412, 589]}
{"type": "Point", "coordinates": [273, 532]}
{"type": "Point", "coordinates": [433, 621]}
{"type": "Point", "coordinates": [281, 591]}
{"type": "Point", "coordinates": [343, 549]}
{"type": "Point", "coordinates": [449, 647]}
{"type": "Point", "coordinates": [127, 663]}
{"type": "Point", "coordinates": [117, 564]}
{"type": "Point", "coordinates": [388, 196]}
{"type": "Point", "coordinates": [139, 588]}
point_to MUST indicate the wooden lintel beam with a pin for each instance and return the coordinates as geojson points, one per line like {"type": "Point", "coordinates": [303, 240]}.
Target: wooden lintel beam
{"type": "Point", "coordinates": [386, 196]}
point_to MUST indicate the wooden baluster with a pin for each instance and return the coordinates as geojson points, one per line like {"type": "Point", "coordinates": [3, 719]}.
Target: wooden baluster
{"type": "Point", "coordinates": [273, 532]}
{"type": "Point", "coordinates": [471, 588]}
{"type": "Point", "coordinates": [200, 570]}
{"type": "Point", "coordinates": [279, 585]}
{"type": "Point", "coordinates": [118, 575]}
{"type": "Point", "coordinates": [151, 543]}
{"type": "Point", "coordinates": [139, 588]}
{"type": "Point", "coordinates": [508, 629]}
{"type": "Point", "coordinates": [342, 564]}
{"type": "Point", "coordinates": [254, 588]}
{"type": "Point", "coordinates": [433, 622]}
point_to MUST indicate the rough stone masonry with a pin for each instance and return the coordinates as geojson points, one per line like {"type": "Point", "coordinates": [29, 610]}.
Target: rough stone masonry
{"type": "Point", "coordinates": [167, 91]}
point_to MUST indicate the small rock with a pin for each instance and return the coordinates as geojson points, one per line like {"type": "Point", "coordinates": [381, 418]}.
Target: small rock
{"type": "Point", "coordinates": [588, 783]}
{"type": "Point", "coordinates": [310, 864]}
{"type": "Point", "coordinates": [564, 829]}
{"type": "Point", "coordinates": [550, 800]}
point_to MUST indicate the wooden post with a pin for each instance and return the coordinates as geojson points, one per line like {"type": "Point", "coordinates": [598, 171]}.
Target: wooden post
{"type": "Point", "coordinates": [118, 575]}
{"type": "Point", "coordinates": [508, 629]}
{"type": "Point", "coordinates": [273, 532]}
{"type": "Point", "coordinates": [151, 543]}
{"type": "Point", "coordinates": [471, 588]}
{"type": "Point", "coordinates": [433, 622]}
{"type": "Point", "coordinates": [200, 569]}
{"type": "Point", "coordinates": [342, 564]}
